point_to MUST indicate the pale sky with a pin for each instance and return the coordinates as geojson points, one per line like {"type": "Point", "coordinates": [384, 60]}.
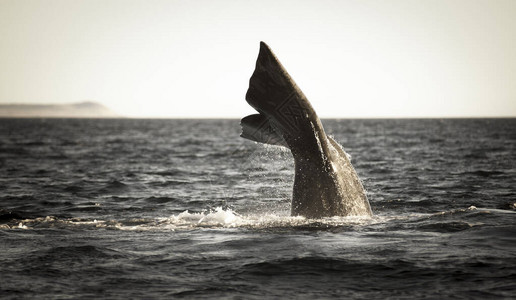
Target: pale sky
{"type": "Point", "coordinates": [361, 58]}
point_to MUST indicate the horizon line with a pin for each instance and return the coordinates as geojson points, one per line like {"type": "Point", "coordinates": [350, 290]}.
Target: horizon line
{"type": "Point", "coordinates": [238, 118]}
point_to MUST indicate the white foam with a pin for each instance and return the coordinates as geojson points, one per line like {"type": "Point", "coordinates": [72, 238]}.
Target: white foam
{"type": "Point", "coordinates": [217, 218]}
{"type": "Point", "coordinates": [227, 218]}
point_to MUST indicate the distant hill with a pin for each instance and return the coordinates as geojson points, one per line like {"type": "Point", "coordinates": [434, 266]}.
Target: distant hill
{"type": "Point", "coordinates": [86, 109]}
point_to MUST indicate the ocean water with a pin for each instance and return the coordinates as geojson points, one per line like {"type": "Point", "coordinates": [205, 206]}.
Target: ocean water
{"type": "Point", "coordinates": [124, 208]}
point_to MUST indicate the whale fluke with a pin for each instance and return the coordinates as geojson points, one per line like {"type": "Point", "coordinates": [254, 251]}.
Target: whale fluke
{"type": "Point", "coordinates": [258, 128]}
{"type": "Point", "coordinates": [325, 183]}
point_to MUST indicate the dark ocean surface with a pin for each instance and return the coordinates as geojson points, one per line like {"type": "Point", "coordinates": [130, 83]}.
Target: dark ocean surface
{"type": "Point", "coordinates": [124, 208]}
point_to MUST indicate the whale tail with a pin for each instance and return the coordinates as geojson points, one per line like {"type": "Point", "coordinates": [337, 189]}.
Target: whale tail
{"type": "Point", "coordinates": [285, 117]}
{"type": "Point", "coordinates": [325, 183]}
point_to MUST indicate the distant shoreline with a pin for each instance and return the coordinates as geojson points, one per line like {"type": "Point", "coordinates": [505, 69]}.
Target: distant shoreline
{"type": "Point", "coordinates": [86, 109]}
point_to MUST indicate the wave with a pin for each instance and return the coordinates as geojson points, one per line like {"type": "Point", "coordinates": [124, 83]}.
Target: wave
{"type": "Point", "coordinates": [114, 186]}
{"type": "Point", "coordinates": [225, 218]}
{"type": "Point", "coordinates": [217, 218]}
